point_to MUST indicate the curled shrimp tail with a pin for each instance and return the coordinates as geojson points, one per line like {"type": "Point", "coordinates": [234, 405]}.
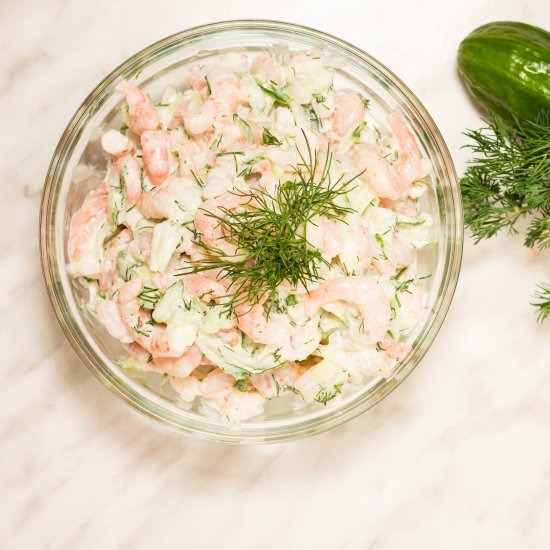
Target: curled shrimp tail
{"type": "Point", "coordinates": [142, 115]}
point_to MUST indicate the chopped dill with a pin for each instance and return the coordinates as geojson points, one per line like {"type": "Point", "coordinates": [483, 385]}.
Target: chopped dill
{"type": "Point", "coordinates": [269, 139]}
{"type": "Point", "coordinates": [199, 181]}
{"type": "Point", "coordinates": [313, 116]}
{"type": "Point", "coordinates": [324, 395]}
{"type": "Point", "coordinates": [357, 132]}
{"type": "Point", "coordinates": [137, 328]}
{"type": "Point", "coordinates": [242, 384]}
{"type": "Point", "coordinates": [148, 297]}
{"type": "Point", "coordinates": [278, 95]}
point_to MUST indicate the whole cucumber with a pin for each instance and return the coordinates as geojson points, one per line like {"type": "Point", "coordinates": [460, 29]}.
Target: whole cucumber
{"type": "Point", "coordinates": [506, 66]}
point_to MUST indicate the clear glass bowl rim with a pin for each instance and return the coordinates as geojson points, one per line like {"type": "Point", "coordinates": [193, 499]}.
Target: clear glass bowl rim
{"type": "Point", "coordinates": [143, 400]}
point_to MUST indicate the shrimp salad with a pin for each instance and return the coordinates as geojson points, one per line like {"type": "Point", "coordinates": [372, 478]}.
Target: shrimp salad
{"type": "Point", "coordinates": [255, 235]}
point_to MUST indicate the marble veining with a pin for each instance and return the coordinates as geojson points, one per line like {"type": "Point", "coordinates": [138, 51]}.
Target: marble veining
{"type": "Point", "coordinates": [457, 457]}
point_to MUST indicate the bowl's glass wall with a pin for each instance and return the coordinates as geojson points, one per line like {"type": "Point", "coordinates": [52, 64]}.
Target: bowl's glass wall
{"type": "Point", "coordinates": [77, 166]}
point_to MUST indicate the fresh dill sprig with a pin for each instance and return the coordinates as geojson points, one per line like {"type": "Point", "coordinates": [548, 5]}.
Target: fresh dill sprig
{"type": "Point", "coordinates": [269, 232]}
{"type": "Point", "coordinates": [542, 303]}
{"type": "Point", "coordinates": [509, 178]}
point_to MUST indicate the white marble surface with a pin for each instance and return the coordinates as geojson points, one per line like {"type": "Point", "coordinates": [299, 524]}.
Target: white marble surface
{"type": "Point", "coordinates": [457, 457]}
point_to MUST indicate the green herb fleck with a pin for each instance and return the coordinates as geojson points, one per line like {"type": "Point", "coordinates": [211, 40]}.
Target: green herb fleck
{"type": "Point", "coordinates": [357, 132]}
{"type": "Point", "coordinates": [269, 139]}
{"type": "Point", "coordinates": [275, 93]}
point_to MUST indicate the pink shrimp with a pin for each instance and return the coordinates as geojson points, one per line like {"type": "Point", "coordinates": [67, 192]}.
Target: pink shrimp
{"type": "Point", "coordinates": [365, 245]}
{"type": "Point", "coordinates": [156, 204]}
{"type": "Point", "coordinates": [403, 254]}
{"type": "Point", "coordinates": [140, 248]}
{"type": "Point", "coordinates": [179, 366]}
{"type": "Point", "coordinates": [335, 235]}
{"type": "Point", "coordinates": [154, 145]}
{"type": "Point", "coordinates": [129, 170]}
{"type": "Point", "coordinates": [151, 337]}
{"type": "Point", "coordinates": [275, 382]}
{"type": "Point", "coordinates": [109, 273]}
{"type": "Point", "coordinates": [84, 232]}
{"type": "Point", "coordinates": [408, 167]}
{"type": "Point", "coordinates": [108, 316]}
{"type": "Point", "coordinates": [201, 121]}
{"type": "Point", "coordinates": [240, 406]}
{"type": "Point", "coordinates": [267, 180]}
{"type": "Point", "coordinates": [196, 79]}
{"type": "Point", "coordinates": [394, 349]}
{"type": "Point", "coordinates": [268, 69]}
{"type": "Point", "coordinates": [217, 182]}
{"type": "Point", "coordinates": [253, 322]}
{"type": "Point", "coordinates": [138, 353]}
{"type": "Point", "coordinates": [116, 143]}
{"type": "Point", "coordinates": [391, 181]}
{"type": "Point", "coordinates": [142, 115]}
{"type": "Point", "coordinates": [373, 304]}
{"type": "Point", "coordinates": [192, 154]}
{"type": "Point", "coordinates": [163, 281]}
{"type": "Point", "coordinates": [218, 389]}
{"type": "Point", "coordinates": [332, 244]}
{"type": "Point", "coordinates": [224, 100]}
{"type": "Point", "coordinates": [203, 287]}
{"type": "Point", "coordinates": [349, 112]}
{"type": "Point", "coordinates": [210, 228]}
{"type": "Point", "coordinates": [227, 90]}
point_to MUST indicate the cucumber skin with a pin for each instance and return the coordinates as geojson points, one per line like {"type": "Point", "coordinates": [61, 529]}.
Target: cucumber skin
{"type": "Point", "coordinates": [506, 67]}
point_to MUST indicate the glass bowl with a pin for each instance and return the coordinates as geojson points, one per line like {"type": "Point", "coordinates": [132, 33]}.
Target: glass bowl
{"type": "Point", "coordinates": [70, 177]}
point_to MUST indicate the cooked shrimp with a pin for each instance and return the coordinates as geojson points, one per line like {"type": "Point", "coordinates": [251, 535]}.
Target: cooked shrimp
{"type": "Point", "coordinates": [172, 275]}
{"type": "Point", "coordinates": [219, 391]}
{"type": "Point", "coordinates": [108, 316]}
{"type": "Point", "coordinates": [277, 382]}
{"type": "Point", "coordinates": [210, 228]}
{"type": "Point", "coordinates": [115, 143]}
{"type": "Point", "coordinates": [154, 145]}
{"type": "Point", "coordinates": [364, 293]}
{"type": "Point", "coordinates": [142, 115]}
{"type": "Point", "coordinates": [140, 247]}
{"type": "Point", "coordinates": [201, 121]}
{"type": "Point", "coordinates": [156, 204]}
{"type": "Point", "coordinates": [348, 113]}
{"type": "Point", "coordinates": [129, 171]}
{"type": "Point", "coordinates": [203, 287]}
{"type": "Point", "coordinates": [109, 275]}
{"type": "Point", "coordinates": [86, 236]}
{"type": "Point", "coordinates": [196, 79]}
{"type": "Point", "coordinates": [408, 167]}
{"type": "Point", "coordinates": [179, 366]}
{"type": "Point", "coordinates": [156, 340]}
{"type": "Point", "coordinates": [192, 155]}
{"type": "Point", "coordinates": [217, 182]}
{"type": "Point", "coordinates": [396, 350]}
{"type": "Point", "coordinates": [267, 180]}
{"type": "Point", "coordinates": [252, 320]}
{"type": "Point", "coordinates": [391, 181]}
{"type": "Point", "coordinates": [227, 90]}
{"type": "Point", "coordinates": [267, 69]}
